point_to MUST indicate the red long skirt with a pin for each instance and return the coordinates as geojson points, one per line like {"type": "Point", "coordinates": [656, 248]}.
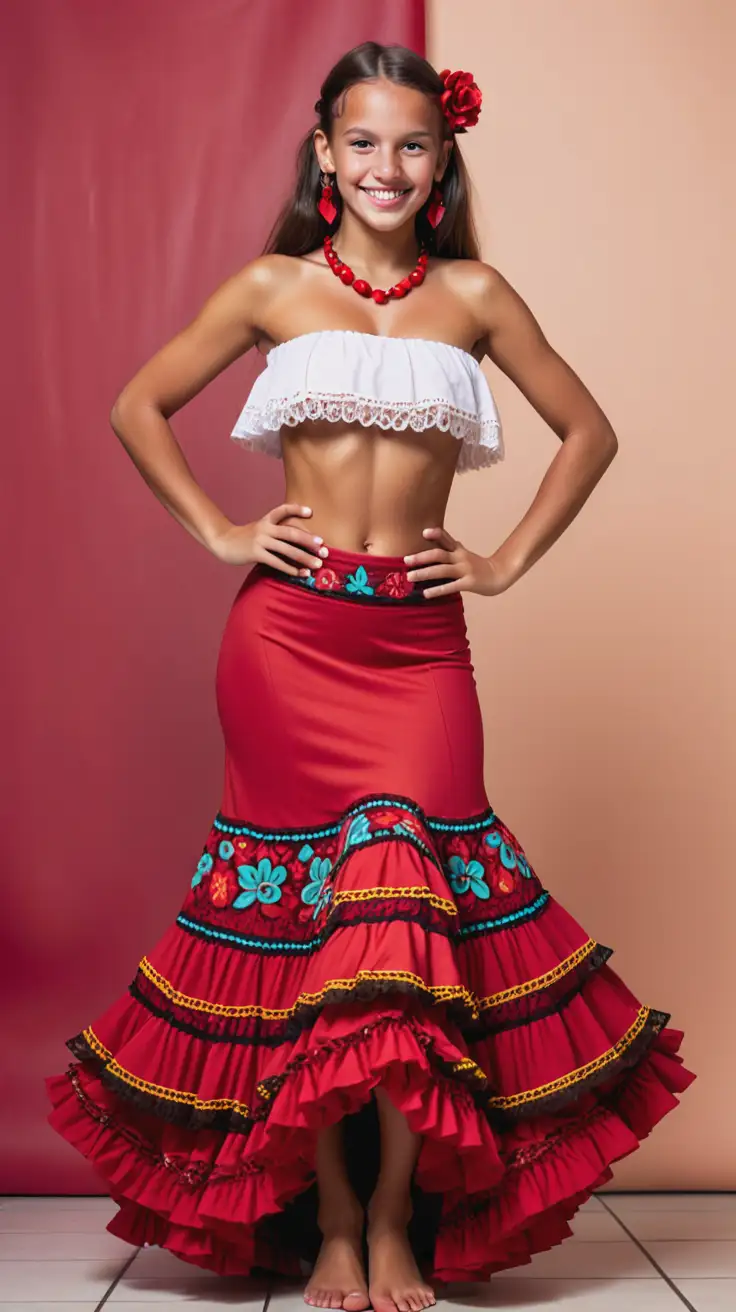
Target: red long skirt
{"type": "Point", "coordinates": [360, 916]}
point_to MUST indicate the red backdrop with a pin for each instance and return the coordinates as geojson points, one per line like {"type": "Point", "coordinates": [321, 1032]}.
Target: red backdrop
{"type": "Point", "coordinates": [147, 147]}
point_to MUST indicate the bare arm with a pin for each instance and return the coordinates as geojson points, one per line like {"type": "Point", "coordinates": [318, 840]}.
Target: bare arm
{"type": "Point", "coordinates": [227, 325]}
{"type": "Point", "coordinates": [224, 328]}
{"type": "Point", "coordinates": [516, 343]}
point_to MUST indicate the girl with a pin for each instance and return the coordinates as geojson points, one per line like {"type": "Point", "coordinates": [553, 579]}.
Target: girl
{"type": "Point", "coordinates": [371, 1036]}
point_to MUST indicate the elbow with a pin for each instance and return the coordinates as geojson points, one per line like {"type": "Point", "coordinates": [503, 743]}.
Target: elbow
{"type": "Point", "coordinates": [119, 411]}
{"type": "Point", "coordinates": [123, 408]}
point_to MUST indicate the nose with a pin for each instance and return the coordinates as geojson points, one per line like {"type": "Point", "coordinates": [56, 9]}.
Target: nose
{"type": "Point", "coordinates": [388, 172]}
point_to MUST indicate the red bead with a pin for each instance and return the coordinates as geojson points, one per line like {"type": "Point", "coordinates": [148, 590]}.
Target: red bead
{"type": "Point", "coordinates": [363, 288]}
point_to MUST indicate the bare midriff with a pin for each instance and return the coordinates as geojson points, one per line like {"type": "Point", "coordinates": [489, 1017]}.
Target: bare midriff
{"type": "Point", "coordinates": [370, 489]}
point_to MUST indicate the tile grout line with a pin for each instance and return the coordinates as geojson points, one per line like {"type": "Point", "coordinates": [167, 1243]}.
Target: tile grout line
{"type": "Point", "coordinates": [648, 1256]}
{"type": "Point", "coordinates": [116, 1281]}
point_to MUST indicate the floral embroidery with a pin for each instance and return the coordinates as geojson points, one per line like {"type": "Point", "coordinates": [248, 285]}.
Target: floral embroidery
{"type": "Point", "coordinates": [278, 890]}
{"type": "Point", "coordinates": [395, 584]}
{"type": "Point", "coordinates": [205, 865]}
{"type": "Point", "coordinates": [220, 888]}
{"type": "Point", "coordinates": [359, 830]}
{"type": "Point", "coordinates": [315, 892]}
{"type": "Point", "coordinates": [358, 582]}
{"type": "Point", "coordinates": [468, 877]}
{"type": "Point", "coordinates": [261, 883]}
{"type": "Point", "coordinates": [510, 858]}
{"type": "Point", "coordinates": [327, 580]}
{"type": "Point", "coordinates": [368, 583]}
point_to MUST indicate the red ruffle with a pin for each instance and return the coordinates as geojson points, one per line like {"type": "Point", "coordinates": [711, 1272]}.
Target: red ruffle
{"type": "Point", "coordinates": [495, 1215]}
{"type": "Point", "coordinates": [204, 1121]}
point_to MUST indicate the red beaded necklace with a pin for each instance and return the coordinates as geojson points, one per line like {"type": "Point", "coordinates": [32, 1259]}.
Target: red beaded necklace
{"type": "Point", "coordinates": [363, 288]}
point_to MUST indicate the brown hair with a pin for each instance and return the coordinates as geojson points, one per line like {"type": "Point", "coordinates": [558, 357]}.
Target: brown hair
{"type": "Point", "coordinates": [300, 228]}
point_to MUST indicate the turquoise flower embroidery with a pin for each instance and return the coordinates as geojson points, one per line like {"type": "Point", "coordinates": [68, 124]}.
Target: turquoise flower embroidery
{"type": "Point", "coordinates": [315, 892]}
{"type": "Point", "coordinates": [358, 582]}
{"type": "Point", "coordinates": [468, 877]}
{"type": "Point", "coordinates": [305, 852]}
{"type": "Point", "coordinates": [261, 883]}
{"type": "Point", "coordinates": [205, 865]}
{"type": "Point", "coordinates": [509, 858]}
{"type": "Point", "coordinates": [226, 849]}
{"type": "Point", "coordinates": [360, 828]}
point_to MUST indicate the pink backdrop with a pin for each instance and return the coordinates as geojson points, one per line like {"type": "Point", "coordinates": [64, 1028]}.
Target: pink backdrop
{"type": "Point", "coordinates": [147, 147]}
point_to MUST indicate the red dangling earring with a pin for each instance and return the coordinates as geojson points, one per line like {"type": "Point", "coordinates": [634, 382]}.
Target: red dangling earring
{"type": "Point", "coordinates": [325, 204]}
{"type": "Point", "coordinates": [436, 208]}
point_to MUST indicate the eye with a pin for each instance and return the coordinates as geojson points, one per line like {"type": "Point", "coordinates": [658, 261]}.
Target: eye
{"type": "Point", "coordinates": [361, 141]}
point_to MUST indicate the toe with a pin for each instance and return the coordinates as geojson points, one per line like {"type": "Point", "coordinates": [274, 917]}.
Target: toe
{"type": "Point", "coordinates": [356, 1301]}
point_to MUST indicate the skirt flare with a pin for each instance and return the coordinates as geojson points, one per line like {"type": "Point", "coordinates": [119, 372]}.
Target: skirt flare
{"type": "Point", "coordinates": [361, 916]}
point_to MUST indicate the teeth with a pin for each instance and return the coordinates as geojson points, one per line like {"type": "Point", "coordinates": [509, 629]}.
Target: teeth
{"type": "Point", "coordinates": [384, 195]}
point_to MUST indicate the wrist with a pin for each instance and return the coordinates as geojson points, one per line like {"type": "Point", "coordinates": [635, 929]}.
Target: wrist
{"type": "Point", "coordinates": [505, 569]}
{"type": "Point", "coordinates": [214, 535]}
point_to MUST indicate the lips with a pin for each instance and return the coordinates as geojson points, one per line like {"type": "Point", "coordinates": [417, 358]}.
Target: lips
{"type": "Point", "coordinates": [390, 198]}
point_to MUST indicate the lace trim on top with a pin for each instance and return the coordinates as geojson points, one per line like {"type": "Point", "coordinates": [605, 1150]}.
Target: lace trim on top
{"type": "Point", "coordinates": [258, 426]}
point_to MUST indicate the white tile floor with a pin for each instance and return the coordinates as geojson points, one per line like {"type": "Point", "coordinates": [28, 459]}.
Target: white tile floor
{"type": "Point", "coordinates": [629, 1253]}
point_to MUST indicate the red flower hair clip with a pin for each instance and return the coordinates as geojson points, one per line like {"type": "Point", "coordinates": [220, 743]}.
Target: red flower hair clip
{"type": "Point", "coordinates": [461, 100]}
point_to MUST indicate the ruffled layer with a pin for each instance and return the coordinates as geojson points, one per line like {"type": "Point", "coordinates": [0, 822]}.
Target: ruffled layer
{"type": "Point", "coordinates": [420, 955]}
{"type": "Point", "coordinates": [210, 1198]}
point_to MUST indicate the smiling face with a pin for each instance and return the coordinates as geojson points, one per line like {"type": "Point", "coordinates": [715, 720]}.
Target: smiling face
{"type": "Point", "coordinates": [387, 150]}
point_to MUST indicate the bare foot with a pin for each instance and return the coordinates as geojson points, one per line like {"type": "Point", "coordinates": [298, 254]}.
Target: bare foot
{"type": "Point", "coordinates": [395, 1281]}
{"type": "Point", "coordinates": [338, 1279]}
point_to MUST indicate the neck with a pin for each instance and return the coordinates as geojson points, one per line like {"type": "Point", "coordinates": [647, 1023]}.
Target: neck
{"type": "Point", "coordinates": [379, 257]}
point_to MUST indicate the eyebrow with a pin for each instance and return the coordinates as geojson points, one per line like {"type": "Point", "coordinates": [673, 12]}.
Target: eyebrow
{"type": "Point", "coordinates": [367, 132]}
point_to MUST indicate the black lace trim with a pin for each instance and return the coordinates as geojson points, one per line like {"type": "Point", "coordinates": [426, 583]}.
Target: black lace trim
{"type": "Point", "coordinates": [232, 1119]}
{"type": "Point", "coordinates": [544, 1002]}
{"type": "Point", "coordinates": [607, 1077]}
{"type": "Point", "coordinates": [257, 1031]}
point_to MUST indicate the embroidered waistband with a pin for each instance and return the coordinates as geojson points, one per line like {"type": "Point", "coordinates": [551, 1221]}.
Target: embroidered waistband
{"type": "Point", "coordinates": [357, 576]}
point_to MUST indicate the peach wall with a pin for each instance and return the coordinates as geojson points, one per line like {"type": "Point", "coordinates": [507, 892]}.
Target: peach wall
{"type": "Point", "coordinates": [606, 195]}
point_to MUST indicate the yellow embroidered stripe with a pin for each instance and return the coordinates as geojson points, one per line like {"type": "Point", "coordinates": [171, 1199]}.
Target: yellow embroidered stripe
{"type": "Point", "coordinates": [159, 1090]}
{"type": "Point", "coordinates": [440, 993]}
{"type": "Point", "coordinates": [419, 891]}
{"type": "Point", "coordinates": [542, 981]}
{"type": "Point", "coordinates": [582, 1073]}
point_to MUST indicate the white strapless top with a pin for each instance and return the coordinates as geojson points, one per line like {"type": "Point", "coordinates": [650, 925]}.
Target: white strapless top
{"type": "Point", "coordinates": [394, 382]}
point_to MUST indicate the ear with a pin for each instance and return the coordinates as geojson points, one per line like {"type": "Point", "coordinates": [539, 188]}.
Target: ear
{"type": "Point", "coordinates": [323, 152]}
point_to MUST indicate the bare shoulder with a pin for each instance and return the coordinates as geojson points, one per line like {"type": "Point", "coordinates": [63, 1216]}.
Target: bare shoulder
{"type": "Point", "coordinates": [482, 286]}
{"type": "Point", "coordinates": [264, 277]}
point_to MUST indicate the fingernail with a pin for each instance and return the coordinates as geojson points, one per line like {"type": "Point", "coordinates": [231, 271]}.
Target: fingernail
{"type": "Point", "coordinates": [411, 574]}
{"type": "Point", "coordinates": [307, 510]}
{"type": "Point", "coordinates": [323, 551]}
{"type": "Point", "coordinates": [408, 559]}
{"type": "Point", "coordinates": [316, 563]}
{"type": "Point", "coordinates": [319, 539]}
